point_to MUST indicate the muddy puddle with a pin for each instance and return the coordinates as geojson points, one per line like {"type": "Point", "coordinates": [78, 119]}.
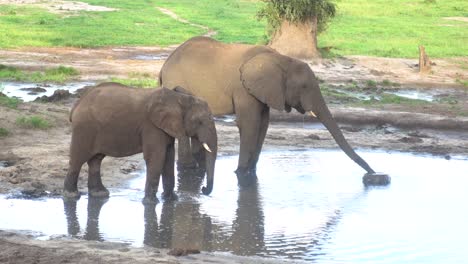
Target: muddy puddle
{"type": "Point", "coordinates": [157, 57]}
{"type": "Point", "coordinates": [428, 95]}
{"type": "Point", "coordinates": [308, 205]}
{"type": "Point", "coordinates": [30, 91]}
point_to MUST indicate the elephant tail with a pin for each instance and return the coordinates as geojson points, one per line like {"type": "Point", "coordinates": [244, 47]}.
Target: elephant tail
{"type": "Point", "coordinates": [73, 109]}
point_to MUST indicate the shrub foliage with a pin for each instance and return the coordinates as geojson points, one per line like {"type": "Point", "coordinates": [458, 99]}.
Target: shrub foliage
{"type": "Point", "coordinates": [296, 11]}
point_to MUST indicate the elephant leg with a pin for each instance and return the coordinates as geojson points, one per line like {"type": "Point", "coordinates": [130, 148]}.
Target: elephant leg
{"type": "Point", "coordinates": [71, 180]}
{"type": "Point", "coordinates": [265, 119]}
{"type": "Point", "coordinates": [95, 186]}
{"type": "Point", "coordinates": [249, 123]}
{"type": "Point", "coordinates": [154, 165]}
{"type": "Point", "coordinates": [79, 154]}
{"type": "Point", "coordinates": [185, 160]}
{"type": "Point", "coordinates": [168, 177]}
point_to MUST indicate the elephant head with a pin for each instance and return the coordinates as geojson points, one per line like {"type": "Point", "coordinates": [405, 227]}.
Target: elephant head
{"type": "Point", "coordinates": [180, 114]}
{"type": "Point", "coordinates": [283, 83]}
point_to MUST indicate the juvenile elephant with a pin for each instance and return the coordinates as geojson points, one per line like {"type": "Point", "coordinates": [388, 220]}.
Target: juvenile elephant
{"type": "Point", "coordinates": [115, 120]}
{"type": "Point", "coordinates": [247, 80]}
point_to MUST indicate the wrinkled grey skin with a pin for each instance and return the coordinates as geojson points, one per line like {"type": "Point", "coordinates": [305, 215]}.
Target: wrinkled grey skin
{"type": "Point", "coordinates": [115, 120]}
{"type": "Point", "coordinates": [248, 80]}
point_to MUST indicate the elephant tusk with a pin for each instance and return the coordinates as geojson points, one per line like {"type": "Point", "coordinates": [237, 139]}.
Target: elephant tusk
{"type": "Point", "coordinates": [206, 147]}
{"type": "Point", "coordinates": [312, 114]}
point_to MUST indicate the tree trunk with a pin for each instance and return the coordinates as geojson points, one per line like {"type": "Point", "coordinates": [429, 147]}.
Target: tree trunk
{"type": "Point", "coordinates": [297, 40]}
{"type": "Point", "coordinates": [424, 62]}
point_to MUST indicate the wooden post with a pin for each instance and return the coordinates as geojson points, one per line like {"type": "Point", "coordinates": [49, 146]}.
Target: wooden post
{"type": "Point", "coordinates": [424, 62]}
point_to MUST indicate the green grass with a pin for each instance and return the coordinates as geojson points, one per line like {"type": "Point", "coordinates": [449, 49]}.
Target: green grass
{"type": "Point", "coordinates": [33, 122]}
{"type": "Point", "coordinates": [388, 28]}
{"type": "Point", "coordinates": [9, 102]}
{"type": "Point", "coordinates": [462, 82]}
{"type": "Point", "coordinates": [138, 81]}
{"type": "Point", "coordinates": [393, 99]}
{"type": "Point", "coordinates": [136, 22]}
{"type": "Point", "coordinates": [4, 132]}
{"type": "Point", "coordinates": [234, 20]}
{"type": "Point", "coordinates": [59, 74]}
{"type": "Point", "coordinates": [395, 28]}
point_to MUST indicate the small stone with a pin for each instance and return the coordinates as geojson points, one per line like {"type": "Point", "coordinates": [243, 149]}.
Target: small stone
{"type": "Point", "coordinates": [313, 137]}
{"type": "Point", "coordinates": [351, 129]}
{"type": "Point", "coordinates": [410, 140]}
{"type": "Point", "coordinates": [376, 179]}
{"type": "Point", "coordinates": [418, 134]}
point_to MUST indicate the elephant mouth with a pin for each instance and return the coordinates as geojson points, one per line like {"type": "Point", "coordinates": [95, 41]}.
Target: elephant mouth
{"type": "Point", "coordinates": [300, 109]}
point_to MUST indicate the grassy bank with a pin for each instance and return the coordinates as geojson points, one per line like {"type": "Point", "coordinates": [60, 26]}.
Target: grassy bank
{"type": "Point", "coordinates": [136, 22]}
{"type": "Point", "coordinates": [395, 28]}
{"type": "Point", "coordinates": [59, 74]}
{"type": "Point", "coordinates": [390, 28]}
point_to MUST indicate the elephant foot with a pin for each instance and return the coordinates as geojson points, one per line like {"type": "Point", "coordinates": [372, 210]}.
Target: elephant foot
{"type": "Point", "coordinates": [246, 177]}
{"type": "Point", "coordinates": [150, 200]}
{"type": "Point", "coordinates": [99, 193]}
{"type": "Point", "coordinates": [71, 195]}
{"type": "Point", "coordinates": [376, 179]}
{"type": "Point", "coordinates": [169, 196]}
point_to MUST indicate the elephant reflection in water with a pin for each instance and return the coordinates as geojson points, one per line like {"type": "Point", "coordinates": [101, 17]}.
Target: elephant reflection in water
{"type": "Point", "coordinates": [182, 224]}
{"type": "Point", "coordinates": [92, 224]}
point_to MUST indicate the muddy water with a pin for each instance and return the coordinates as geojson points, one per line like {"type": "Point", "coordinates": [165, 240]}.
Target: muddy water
{"type": "Point", "coordinates": [308, 205]}
{"type": "Point", "coordinates": [22, 90]}
{"type": "Point", "coordinates": [429, 95]}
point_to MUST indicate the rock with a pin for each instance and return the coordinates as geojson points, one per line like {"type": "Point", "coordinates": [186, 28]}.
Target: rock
{"type": "Point", "coordinates": [275, 137]}
{"type": "Point", "coordinates": [82, 91]}
{"type": "Point", "coordinates": [313, 137]}
{"type": "Point", "coordinates": [177, 252]}
{"type": "Point", "coordinates": [128, 167]}
{"type": "Point", "coordinates": [410, 140]}
{"type": "Point", "coordinates": [418, 134]}
{"type": "Point", "coordinates": [59, 95]}
{"type": "Point", "coordinates": [34, 90]}
{"type": "Point", "coordinates": [351, 129]}
{"type": "Point", "coordinates": [33, 190]}
{"type": "Point", "coordinates": [376, 179]}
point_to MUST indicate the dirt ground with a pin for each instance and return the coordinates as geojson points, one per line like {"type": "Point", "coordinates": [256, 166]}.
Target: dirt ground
{"type": "Point", "coordinates": [35, 161]}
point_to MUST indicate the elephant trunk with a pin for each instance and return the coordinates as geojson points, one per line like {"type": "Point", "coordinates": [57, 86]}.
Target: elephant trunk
{"type": "Point", "coordinates": [210, 167]}
{"type": "Point", "coordinates": [210, 160]}
{"type": "Point", "coordinates": [329, 122]}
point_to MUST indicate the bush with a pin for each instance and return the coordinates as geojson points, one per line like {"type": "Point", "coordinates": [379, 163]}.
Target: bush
{"type": "Point", "coordinates": [4, 132]}
{"type": "Point", "coordinates": [34, 122]}
{"type": "Point", "coordinates": [275, 11]}
{"type": "Point", "coordinates": [9, 102]}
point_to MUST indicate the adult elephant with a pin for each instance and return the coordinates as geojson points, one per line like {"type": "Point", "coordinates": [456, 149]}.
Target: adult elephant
{"type": "Point", "coordinates": [248, 80]}
{"type": "Point", "coordinates": [115, 120]}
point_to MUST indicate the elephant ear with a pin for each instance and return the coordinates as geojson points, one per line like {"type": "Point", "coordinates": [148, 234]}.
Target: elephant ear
{"type": "Point", "coordinates": [264, 78]}
{"type": "Point", "coordinates": [165, 112]}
